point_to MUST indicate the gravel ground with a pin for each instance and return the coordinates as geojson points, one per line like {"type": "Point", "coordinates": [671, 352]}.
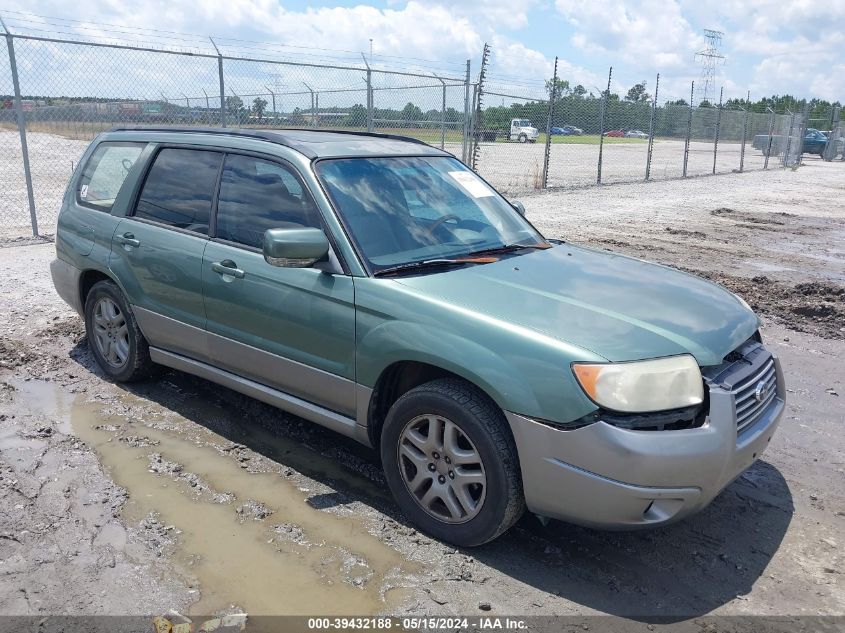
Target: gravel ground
{"type": "Point", "coordinates": [512, 167]}
{"type": "Point", "coordinates": [178, 494]}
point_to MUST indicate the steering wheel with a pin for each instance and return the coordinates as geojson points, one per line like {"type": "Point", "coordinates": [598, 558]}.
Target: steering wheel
{"type": "Point", "coordinates": [439, 221]}
{"type": "Point", "coordinates": [127, 164]}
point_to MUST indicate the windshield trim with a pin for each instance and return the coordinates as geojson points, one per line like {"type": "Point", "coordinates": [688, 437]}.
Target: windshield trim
{"type": "Point", "coordinates": [362, 259]}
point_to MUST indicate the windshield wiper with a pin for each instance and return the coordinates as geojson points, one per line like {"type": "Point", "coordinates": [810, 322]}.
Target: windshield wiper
{"type": "Point", "coordinates": [428, 263]}
{"type": "Point", "coordinates": [507, 248]}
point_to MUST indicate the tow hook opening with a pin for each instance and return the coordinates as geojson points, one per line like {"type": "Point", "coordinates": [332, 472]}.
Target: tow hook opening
{"type": "Point", "coordinates": [660, 510]}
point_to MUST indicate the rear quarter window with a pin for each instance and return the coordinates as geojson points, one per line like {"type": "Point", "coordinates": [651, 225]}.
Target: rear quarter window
{"type": "Point", "coordinates": [105, 172]}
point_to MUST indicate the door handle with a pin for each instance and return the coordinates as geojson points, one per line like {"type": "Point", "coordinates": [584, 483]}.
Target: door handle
{"type": "Point", "coordinates": [128, 239]}
{"type": "Point", "coordinates": [228, 267]}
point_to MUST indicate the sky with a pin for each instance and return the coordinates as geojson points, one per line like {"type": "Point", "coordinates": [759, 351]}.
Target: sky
{"type": "Point", "coordinates": [770, 46]}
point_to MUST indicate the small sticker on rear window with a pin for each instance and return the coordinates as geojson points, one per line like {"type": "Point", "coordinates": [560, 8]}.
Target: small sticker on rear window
{"type": "Point", "coordinates": [471, 184]}
{"type": "Point", "coordinates": [83, 192]}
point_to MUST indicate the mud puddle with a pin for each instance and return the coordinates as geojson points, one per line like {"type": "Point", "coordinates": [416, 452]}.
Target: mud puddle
{"type": "Point", "coordinates": [244, 539]}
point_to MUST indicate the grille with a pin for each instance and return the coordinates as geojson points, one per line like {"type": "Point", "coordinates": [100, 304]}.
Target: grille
{"type": "Point", "coordinates": [748, 407]}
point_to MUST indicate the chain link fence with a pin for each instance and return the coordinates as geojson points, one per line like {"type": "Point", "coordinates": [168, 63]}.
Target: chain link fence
{"type": "Point", "coordinates": [511, 131]}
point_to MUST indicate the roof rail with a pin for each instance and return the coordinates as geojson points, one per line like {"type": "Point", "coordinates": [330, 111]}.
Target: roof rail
{"type": "Point", "coordinates": [269, 134]}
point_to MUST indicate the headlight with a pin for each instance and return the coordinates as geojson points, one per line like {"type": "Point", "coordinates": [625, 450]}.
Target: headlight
{"type": "Point", "coordinates": [651, 385]}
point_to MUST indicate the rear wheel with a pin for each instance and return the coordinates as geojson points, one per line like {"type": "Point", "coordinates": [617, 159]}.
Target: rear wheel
{"type": "Point", "coordinates": [118, 346]}
{"type": "Point", "coordinates": [451, 462]}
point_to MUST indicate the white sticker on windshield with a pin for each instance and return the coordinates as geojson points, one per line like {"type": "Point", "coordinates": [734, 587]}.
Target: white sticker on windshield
{"type": "Point", "coordinates": [472, 184]}
{"type": "Point", "coordinates": [83, 192]}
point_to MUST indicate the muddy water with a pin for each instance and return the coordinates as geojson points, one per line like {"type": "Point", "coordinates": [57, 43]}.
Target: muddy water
{"type": "Point", "coordinates": [331, 565]}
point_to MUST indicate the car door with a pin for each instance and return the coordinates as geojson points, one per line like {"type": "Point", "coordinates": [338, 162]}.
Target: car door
{"type": "Point", "coordinates": [92, 210]}
{"type": "Point", "coordinates": [292, 329]}
{"type": "Point", "coordinates": [157, 249]}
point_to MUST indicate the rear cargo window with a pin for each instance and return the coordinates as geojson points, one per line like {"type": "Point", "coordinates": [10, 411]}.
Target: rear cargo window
{"type": "Point", "coordinates": [105, 173]}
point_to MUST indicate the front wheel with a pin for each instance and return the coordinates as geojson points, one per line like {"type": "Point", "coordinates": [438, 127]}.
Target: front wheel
{"type": "Point", "coordinates": [115, 339]}
{"type": "Point", "coordinates": [522, 138]}
{"type": "Point", "coordinates": [451, 463]}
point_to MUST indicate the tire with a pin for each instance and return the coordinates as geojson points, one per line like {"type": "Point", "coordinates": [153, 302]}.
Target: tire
{"type": "Point", "coordinates": [482, 449]}
{"type": "Point", "coordinates": [522, 138]}
{"type": "Point", "coordinates": [116, 342]}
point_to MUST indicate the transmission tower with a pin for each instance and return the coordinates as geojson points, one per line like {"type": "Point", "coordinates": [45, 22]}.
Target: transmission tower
{"type": "Point", "coordinates": [710, 57]}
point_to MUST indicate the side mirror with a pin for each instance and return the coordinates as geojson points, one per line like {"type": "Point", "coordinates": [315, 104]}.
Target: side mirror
{"type": "Point", "coordinates": [294, 248]}
{"type": "Point", "coordinates": [520, 208]}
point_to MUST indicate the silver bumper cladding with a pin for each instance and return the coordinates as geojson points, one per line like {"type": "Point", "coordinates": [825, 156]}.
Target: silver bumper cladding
{"type": "Point", "coordinates": [604, 476]}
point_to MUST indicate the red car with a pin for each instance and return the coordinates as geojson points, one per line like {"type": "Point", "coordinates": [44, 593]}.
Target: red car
{"type": "Point", "coordinates": [615, 133]}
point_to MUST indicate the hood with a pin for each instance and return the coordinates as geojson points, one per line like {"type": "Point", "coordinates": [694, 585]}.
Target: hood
{"type": "Point", "coordinates": [612, 305]}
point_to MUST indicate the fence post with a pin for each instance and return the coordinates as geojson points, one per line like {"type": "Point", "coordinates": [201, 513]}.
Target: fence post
{"type": "Point", "coordinates": [689, 128]}
{"type": "Point", "coordinates": [369, 100]}
{"type": "Point", "coordinates": [471, 138]}
{"type": "Point", "coordinates": [744, 137]}
{"type": "Point", "coordinates": [466, 117]}
{"type": "Point", "coordinates": [785, 160]}
{"type": "Point", "coordinates": [604, 100]}
{"type": "Point", "coordinates": [718, 128]}
{"type": "Point", "coordinates": [479, 95]}
{"type": "Point", "coordinates": [835, 135]}
{"type": "Point", "coordinates": [222, 85]}
{"type": "Point", "coordinates": [651, 129]}
{"type": "Point", "coordinates": [802, 130]}
{"type": "Point", "coordinates": [442, 115]}
{"type": "Point", "coordinates": [22, 131]}
{"type": "Point", "coordinates": [771, 137]}
{"type": "Point", "coordinates": [547, 156]}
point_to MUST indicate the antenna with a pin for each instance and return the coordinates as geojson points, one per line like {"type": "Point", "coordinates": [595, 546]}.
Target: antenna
{"type": "Point", "coordinates": [710, 57]}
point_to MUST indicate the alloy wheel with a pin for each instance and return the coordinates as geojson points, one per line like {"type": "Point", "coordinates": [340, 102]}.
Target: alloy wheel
{"type": "Point", "coordinates": [442, 469]}
{"type": "Point", "coordinates": [111, 334]}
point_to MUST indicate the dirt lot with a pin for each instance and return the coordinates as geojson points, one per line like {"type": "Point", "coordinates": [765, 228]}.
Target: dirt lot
{"type": "Point", "coordinates": [178, 494]}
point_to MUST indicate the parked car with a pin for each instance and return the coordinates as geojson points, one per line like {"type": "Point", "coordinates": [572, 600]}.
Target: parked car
{"type": "Point", "coordinates": [616, 133]}
{"type": "Point", "coordinates": [377, 286]}
{"type": "Point", "coordinates": [814, 142]}
{"type": "Point", "coordinates": [835, 148]}
{"type": "Point", "coordinates": [567, 130]}
{"type": "Point", "coordinates": [635, 134]}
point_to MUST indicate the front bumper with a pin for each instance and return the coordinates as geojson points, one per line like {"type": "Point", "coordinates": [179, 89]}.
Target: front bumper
{"type": "Point", "coordinates": [612, 478]}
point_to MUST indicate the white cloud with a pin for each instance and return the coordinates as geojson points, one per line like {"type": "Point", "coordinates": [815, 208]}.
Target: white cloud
{"type": "Point", "coordinates": [772, 46]}
{"type": "Point", "coordinates": [651, 33]}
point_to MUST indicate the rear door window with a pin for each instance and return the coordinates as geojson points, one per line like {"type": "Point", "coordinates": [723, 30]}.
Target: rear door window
{"type": "Point", "coordinates": [180, 188]}
{"type": "Point", "coordinates": [105, 173]}
{"type": "Point", "coordinates": [256, 195]}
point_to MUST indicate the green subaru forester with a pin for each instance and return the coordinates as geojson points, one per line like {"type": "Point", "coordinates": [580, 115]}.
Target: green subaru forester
{"type": "Point", "coordinates": [377, 286]}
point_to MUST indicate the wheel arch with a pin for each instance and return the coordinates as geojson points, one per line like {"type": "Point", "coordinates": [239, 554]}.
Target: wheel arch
{"type": "Point", "coordinates": [87, 280]}
{"type": "Point", "coordinates": [401, 376]}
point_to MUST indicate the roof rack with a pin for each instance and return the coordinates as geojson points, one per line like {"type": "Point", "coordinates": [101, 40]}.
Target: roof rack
{"type": "Point", "coordinates": [275, 135]}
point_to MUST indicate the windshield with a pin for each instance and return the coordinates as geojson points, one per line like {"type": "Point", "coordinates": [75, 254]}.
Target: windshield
{"type": "Point", "coordinates": [412, 209]}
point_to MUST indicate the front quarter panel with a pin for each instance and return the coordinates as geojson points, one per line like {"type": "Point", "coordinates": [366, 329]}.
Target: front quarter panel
{"type": "Point", "coordinates": [522, 371]}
